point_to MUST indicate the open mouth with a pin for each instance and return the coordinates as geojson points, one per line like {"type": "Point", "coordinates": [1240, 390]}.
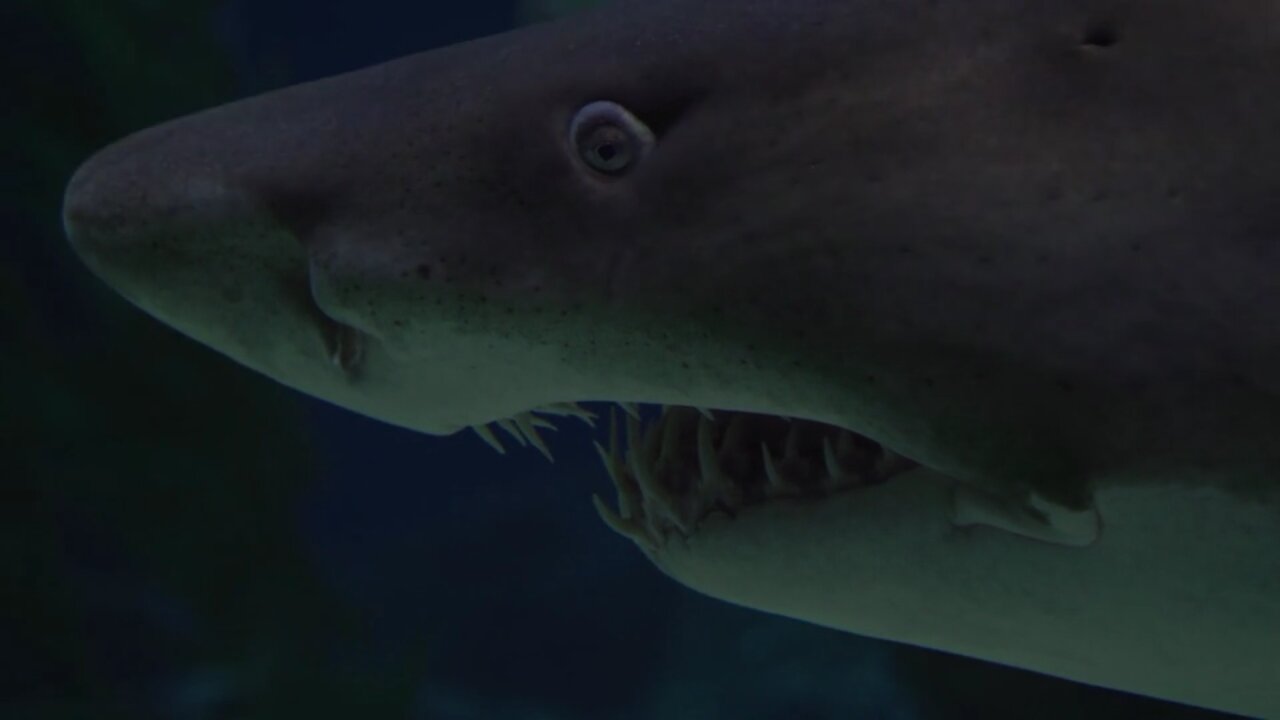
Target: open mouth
{"type": "Point", "coordinates": [673, 466]}
{"type": "Point", "coordinates": [683, 464]}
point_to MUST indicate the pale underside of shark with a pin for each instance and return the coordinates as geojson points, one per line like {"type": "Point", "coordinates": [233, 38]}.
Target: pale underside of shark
{"type": "Point", "coordinates": [982, 299]}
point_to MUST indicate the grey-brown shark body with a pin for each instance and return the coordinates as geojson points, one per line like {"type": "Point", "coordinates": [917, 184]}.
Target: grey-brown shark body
{"type": "Point", "coordinates": [1012, 270]}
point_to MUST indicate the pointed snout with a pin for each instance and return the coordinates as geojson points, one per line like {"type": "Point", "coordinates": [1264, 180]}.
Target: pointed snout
{"type": "Point", "coordinates": [98, 202]}
{"type": "Point", "coordinates": [161, 224]}
{"type": "Point", "coordinates": [205, 222]}
{"type": "Point", "coordinates": [137, 199]}
{"type": "Point", "coordinates": [168, 219]}
{"type": "Point", "coordinates": [296, 232]}
{"type": "Point", "coordinates": [86, 207]}
{"type": "Point", "coordinates": [212, 194]}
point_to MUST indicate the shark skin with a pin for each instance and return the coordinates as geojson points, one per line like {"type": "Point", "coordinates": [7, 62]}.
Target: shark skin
{"type": "Point", "coordinates": [1033, 248]}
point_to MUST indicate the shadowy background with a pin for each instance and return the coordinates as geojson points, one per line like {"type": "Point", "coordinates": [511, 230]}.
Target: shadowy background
{"type": "Point", "coordinates": [182, 538]}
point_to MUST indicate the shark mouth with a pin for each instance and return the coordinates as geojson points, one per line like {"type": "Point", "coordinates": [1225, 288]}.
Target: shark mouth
{"type": "Point", "coordinates": [674, 470]}
{"type": "Point", "coordinates": [688, 463]}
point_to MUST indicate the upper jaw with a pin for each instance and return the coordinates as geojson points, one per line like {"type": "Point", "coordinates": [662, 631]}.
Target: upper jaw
{"type": "Point", "coordinates": [673, 468]}
{"type": "Point", "coordinates": [674, 471]}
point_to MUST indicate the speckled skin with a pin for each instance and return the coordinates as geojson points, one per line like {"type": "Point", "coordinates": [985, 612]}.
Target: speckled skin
{"type": "Point", "coordinates": [1033, 246]}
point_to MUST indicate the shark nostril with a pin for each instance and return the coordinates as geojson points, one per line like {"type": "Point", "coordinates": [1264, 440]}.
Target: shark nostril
{"type": "Point", "coordinates": [344, 345]}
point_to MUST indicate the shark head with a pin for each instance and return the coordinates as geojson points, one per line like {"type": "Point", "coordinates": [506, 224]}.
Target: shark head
{"type": "Point", "coordinates": [304, 232]}
{"type": "Point", "coordinates": [962, 315]}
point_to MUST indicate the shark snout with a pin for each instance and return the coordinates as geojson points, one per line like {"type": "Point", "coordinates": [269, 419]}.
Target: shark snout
{"type": "Point", "coordinates": [140, 209]}
{"type": "Point", "coordinates": [171, 225]}
{"type": "Point", "coordinates": [97, 205]}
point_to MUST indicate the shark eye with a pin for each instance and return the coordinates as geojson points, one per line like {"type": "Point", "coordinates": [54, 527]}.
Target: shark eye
{"type": "Point", "coordinates": [609, 139]}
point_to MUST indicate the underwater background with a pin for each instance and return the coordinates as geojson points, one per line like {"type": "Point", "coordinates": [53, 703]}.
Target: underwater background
{"type": "Point", "coordinates": [182, 538]}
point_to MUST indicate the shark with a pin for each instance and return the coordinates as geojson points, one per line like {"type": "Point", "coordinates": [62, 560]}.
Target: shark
{"type": "Point", "coordinates": [962, 316]}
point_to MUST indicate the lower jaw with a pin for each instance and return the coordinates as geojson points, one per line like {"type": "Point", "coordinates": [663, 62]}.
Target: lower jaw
{"type": "Point", "coordinates": [871, 531]}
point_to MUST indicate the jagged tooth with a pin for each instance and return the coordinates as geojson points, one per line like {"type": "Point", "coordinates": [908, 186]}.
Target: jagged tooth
{"type": "Point", "coordinates": [792, 446]}
{"type": "Point", "coordinates": [643, 474]}
{"type": "Point", "coordinates": [536, 421]}
{"type": "Point", "coordinates": [489, 438]}
{"type": "Point", "coordinates": [626, 528]}
{"type": "Point", "coordinates": [708, 462]}
{"type": "Point", "coordinates": [621, 484]}
{"type": "Point", "coordinates": [650, 487]}
{"type": "Point", "coordinates": [510, 428]}
{"type": "Point", "coordinates": [607, 514]}
{"type": "Point", "coordinates": [607, 458]}
{"type": "Point", "coordinates": [631, 409]}
{"type": "Point", "coordinates": [705, 413]}
{"type": "Point", "coordinates": [837, 473]}
{"type": "Point", "coordinates": [776, 483]}
{"type": "Point", "coordinates": [630, 499]}
{"type": "Point", "coordinates": [524, 422]}
{"type": "Point", "coordinates": [569, 409]}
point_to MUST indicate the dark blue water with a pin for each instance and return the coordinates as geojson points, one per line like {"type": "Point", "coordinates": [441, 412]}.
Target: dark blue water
{"type": "Point", "coordinates": [310, 40]}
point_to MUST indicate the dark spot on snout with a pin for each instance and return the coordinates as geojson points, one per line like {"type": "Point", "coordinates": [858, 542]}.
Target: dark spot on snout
{"type": "Point", "coordinates": [299, 211]}
{"type": "Point", "coordinates": [1100, 35]}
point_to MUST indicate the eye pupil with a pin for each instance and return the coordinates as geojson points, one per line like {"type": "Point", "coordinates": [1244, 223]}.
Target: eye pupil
{"type": "Point", "coordinates": [609, 155]}
{"type": "Point", "coordinates": [608, 149]}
